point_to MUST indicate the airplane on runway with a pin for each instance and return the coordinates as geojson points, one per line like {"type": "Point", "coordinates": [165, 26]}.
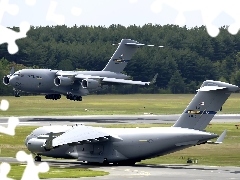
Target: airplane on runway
{"type": "Point", "coordinates": [131, 145]}
{"type": "Point", "coordinates": [75, 84]}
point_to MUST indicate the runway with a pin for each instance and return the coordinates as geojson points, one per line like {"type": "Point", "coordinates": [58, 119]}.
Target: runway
{"type": "Point", "coordinates": [170, 172]}
{"type": "Point", "coordinates": [151, 172]}
{"type": "Point", "coordinates": [104, 119]}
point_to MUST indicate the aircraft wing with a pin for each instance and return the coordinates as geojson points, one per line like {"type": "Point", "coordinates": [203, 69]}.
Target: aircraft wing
{"type": "Point", "coordinates": [124, 81]}
{"type": "Point", "coordinates": [103, 79]}
{"type": "Point", "coordinates": [77, 75]}
{"type": "Point", "coordinates": [130, 81]}
{"type": "Point", "coordinates": [81, 134]}
{"type": "Point", "coordinates": [114, 80]}
{"type": "Point", "coordinates": [220, 138]}
{"type": "Point", "coordinates": [84, 76]}
{"type": "Point", "coordinates": [66, 73]}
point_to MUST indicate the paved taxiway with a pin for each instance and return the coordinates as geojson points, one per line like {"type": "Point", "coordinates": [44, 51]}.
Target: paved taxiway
{"type": "Point", "coordinates": [150, 172]}
{"type": "Point", "coordinates": [93, 119]}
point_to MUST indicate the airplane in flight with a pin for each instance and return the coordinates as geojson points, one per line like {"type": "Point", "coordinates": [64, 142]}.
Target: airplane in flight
{"type": "Point", "coordinates": [131, 145]}
{"type": "Point", "coordinates": [75, 84]}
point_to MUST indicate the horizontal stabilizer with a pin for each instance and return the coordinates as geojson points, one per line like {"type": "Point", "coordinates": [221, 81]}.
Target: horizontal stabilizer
{"type": "Point", "coordinates": [81, 134]}
{"type": "Point", "coordinates": [210, 88]}
{"type": "Point", "coordinates": [135, 44]}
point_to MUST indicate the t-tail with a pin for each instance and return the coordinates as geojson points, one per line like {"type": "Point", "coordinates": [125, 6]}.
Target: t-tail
{"type": "Point", "coordinates": [209, 99]}
{"type": "Point", "coordinates": [122, 55]}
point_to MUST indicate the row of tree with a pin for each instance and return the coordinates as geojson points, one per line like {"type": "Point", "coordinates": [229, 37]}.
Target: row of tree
{"type": "Point", "coordinates": [189, 56]}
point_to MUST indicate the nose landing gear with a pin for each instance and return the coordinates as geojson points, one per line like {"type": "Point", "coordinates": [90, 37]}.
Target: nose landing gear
{"type": "Point", "coordinates": [16, 93]}
{"type": "Point", "coordinates": [38, 158]}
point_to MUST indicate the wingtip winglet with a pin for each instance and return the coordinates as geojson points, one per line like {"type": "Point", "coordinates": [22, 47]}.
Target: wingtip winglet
{"type": "Point", "coordinates": [154, 79]}
{"type": "Point", "coordinates": [221, 137]}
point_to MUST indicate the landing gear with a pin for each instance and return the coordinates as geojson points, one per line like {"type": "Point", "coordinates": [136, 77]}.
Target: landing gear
{"type": "Point", "coordinates": [53, 96]}
{"type": "Point", "coordinates": [105, 162]}
{"type": "Point", "coordinates": [126, 163]}
{"type": "Point", "coordinates": [38, 159]}
{"type": "Point", "coordinates": [74, 97]}
{"type": "Point", "coordinates": [16, 93]}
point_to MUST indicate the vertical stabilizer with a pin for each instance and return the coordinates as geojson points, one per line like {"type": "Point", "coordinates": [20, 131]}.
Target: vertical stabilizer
{"type": "Point", "coordinates": [122, 55]}
{"type": "Point", "coordinates": [209, 99]}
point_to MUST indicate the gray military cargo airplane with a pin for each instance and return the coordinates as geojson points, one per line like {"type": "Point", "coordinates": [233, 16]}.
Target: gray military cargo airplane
{"type": "Point", "coordinates": [75, 84]}
{"type": "Point", "coordinates": [131, 145]}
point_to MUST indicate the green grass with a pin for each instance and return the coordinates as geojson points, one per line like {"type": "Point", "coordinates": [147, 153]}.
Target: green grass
{"type": "Point", "coordinates": [226, 154]}
{"type": "Point", "coordinates": [10, 145]}
{"type": "Point", "coordinates": [108, 105]}
{"type": "Point", "coordinates": [56, 172]}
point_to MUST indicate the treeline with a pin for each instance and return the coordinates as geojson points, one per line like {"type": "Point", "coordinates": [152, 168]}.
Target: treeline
{"type": "Point", "coordinates": [189, 56]}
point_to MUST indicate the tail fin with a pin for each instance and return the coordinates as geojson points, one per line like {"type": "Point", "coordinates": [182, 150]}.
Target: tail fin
{"type": "Point", "coordinates": [205, 104]}
{"type": "Point", "coordinates": [122, 55]}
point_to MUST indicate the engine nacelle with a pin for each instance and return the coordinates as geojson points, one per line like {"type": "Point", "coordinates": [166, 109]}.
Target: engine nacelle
{"type": "Point", "coordinates": [36, 145]}
{"type": "Point", "coordinates": [90, 83]}
{"type": "Point", "coordinates": [63, 81]}
{"type": "Point", "coordinates": [6, 80]}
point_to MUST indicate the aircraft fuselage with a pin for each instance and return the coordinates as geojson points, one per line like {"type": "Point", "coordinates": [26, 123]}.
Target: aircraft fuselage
{"type": "Point", "coordinates": [136, 144]}
{"type": "Point", "coordinates": [42, 81]}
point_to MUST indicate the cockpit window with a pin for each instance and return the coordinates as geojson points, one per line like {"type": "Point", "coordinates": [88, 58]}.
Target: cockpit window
{"type": "Point", "coordinates": [31, 76]}
{"type": "Point", "coordinates": [16, 73]}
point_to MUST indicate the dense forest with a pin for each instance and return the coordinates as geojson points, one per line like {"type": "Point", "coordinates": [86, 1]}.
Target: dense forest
{"type": "Point", "coordinates": [189, 56]}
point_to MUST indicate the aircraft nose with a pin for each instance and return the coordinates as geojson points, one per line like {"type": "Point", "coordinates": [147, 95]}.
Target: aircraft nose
{"type": "Point", "coordinates": [26, 140]}
{"type": "Point", "coordinates": [13, 80]}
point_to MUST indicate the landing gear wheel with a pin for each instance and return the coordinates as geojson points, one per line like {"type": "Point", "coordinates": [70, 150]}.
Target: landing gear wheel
{"type": "Point", "coordinates": [16, 94]}
{"type": "Point", "coordinates": [38, 159]}
{"type": "Point", "coordinates": [126, 163]}
{"type": "Point", "coordinates": [74, 98]}
{"type": "Point", "coordinates": [105, 162]}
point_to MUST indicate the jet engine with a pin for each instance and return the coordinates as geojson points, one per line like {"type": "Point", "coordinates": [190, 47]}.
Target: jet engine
{"type": "Point", "coordinates": [36, 145]}
{"type": "Point", "coordinates": [63, 81]}
{"type": "Point", "coordinates": [6, 80]}
{"type": "Point", "coordinates": [90, 83]}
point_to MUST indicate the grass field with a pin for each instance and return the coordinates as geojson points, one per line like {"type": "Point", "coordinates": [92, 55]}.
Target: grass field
{"type": "Point", "coordinates": [56, 172]}
{"type": "Point", "coordinates": [108, 105]}
{"type": "Point", "coordinates": [226, 154]}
